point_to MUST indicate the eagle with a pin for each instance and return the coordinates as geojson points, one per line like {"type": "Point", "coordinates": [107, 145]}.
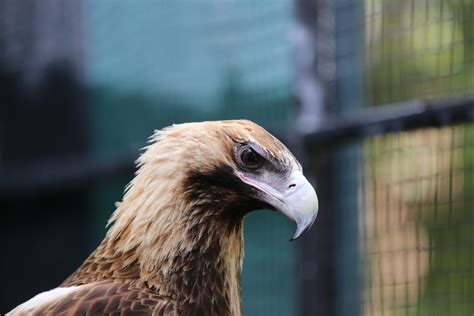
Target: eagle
{"type": "Point", "coordinates": [175, 242]}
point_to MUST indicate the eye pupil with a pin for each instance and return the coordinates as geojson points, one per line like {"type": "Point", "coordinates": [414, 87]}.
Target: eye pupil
{"type": "Point", "coordinates": [251, 159]}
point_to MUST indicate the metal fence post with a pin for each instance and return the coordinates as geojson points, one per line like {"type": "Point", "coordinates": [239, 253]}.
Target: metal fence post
{"type": "Point", "coordinates": [326, 86]}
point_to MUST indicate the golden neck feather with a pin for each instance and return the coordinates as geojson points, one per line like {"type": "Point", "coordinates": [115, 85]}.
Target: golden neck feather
{"type": "Point", "coordinates": [176, 247]}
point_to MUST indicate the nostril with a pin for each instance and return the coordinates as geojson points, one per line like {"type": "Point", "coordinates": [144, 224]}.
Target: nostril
{"type": "Point", "coordinates": [291, 186]}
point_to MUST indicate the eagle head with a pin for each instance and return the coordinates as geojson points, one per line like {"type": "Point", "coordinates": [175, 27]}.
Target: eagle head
{"type": "Point", "coordinates": [227, 168]}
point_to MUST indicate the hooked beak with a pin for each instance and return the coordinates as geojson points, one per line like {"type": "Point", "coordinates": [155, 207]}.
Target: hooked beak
{"type": "Point", "coordinates": [295, 198]}
{"type": "Point", "coordinates": [300, 203]}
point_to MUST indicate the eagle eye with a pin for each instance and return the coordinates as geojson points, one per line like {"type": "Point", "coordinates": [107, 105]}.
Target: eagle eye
{"type": "Point", "coordinates": [250, 159]}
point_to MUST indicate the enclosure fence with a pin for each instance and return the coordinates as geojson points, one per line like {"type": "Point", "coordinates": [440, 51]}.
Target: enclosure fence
{"type": "Point", "coordinates": [392, 158]}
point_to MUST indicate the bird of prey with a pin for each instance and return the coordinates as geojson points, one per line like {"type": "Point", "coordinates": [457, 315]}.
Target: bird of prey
{"type": "Point", "coordinates": [175, 244]}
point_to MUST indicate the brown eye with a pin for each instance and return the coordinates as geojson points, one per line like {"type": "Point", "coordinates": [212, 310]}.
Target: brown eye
{"type": "Point", "coordinates": [250, 159]}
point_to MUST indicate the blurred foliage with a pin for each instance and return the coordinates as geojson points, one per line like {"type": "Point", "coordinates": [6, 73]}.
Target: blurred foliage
{"type": "Point", "coordinates": [425, 49]}
{"type": "Point", "coordinates": [449, 286]}
{"type": "Point", "coordinates": [418, 48]}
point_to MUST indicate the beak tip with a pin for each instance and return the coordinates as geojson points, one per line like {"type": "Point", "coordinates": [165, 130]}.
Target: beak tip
{"type": "Point", "coordinates": [294, 238]}
{"type": "Point", "coordinates": [299, 232]}
{"type": "Point", "coordinates": [303, 225]}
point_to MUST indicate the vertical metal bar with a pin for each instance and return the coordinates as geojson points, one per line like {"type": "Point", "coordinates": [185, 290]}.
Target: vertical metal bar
{"type": "Point", "coordinates": [348, 97]}
{"type": "Point", "coordinates": [328, 82]}
{"type": "Point", "coordinates": [313, 37]}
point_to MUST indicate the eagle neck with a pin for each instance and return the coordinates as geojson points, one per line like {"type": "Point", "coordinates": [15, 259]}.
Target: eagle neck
{"type": "Point", "coordinates": [201, 268]}
{"type": "Point", "coordinates": [185, 249]}
{"type": "Point", "coordinates": [205, 274]}
{"type": "Point", "coordinates": [196, 263]}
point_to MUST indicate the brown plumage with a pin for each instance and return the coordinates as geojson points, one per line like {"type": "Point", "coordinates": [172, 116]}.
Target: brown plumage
{"type": "Point", "coordinates": [175, 246]}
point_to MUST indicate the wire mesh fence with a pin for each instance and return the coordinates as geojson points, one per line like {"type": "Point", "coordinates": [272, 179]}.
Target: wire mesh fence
{"type": "Point", "coordinates": [417, 48]}
{"type": "Point", "coordinates": [398, 239]}
{"type": "Point", "coordinates": [407, 197]}
{"type": "Point", "coordinates": [416, 223]}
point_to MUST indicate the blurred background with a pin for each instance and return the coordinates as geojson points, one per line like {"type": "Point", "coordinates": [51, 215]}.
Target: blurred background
{"type": "Point", "coordinates": [375, 97]}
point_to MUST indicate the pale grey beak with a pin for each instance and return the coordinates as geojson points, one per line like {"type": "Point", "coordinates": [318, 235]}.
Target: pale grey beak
{"type": "Point", "coordinates": [294, 197]}
{"type": "Point", "coordinates": [300, 203]}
